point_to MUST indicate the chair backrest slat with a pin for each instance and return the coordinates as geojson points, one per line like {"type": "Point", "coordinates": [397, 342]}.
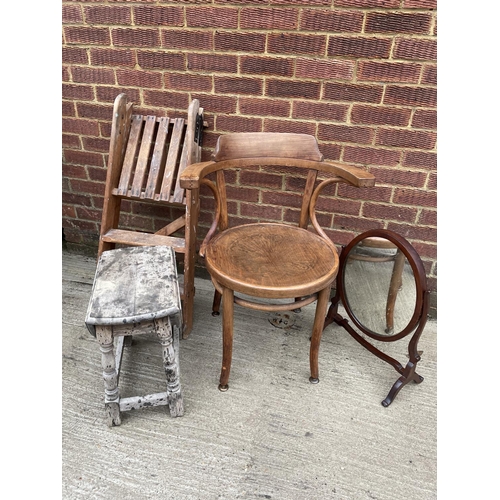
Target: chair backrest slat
{"type": "Point", "coordinates": [142, 159]}
{"type": "Point", "coordinates": [130, 154]}
{"type": "Point", "coordinates": [158, 159]}
{"type": "Point", "coordinates": [172, 159]}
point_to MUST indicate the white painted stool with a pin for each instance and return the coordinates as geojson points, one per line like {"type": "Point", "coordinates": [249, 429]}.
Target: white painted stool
{"type": "Point", "coordinates": [136, 291]}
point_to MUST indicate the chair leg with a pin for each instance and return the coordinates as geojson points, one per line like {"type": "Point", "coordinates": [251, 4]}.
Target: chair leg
{"type": "Point", "coordinates": [104, 336]}
{"type": "Point", "coordinates": [227, 337]}
{"type": "Point", "coordinates": [319, 320]}
{"type": "Point", "coordinates": [216, 303]}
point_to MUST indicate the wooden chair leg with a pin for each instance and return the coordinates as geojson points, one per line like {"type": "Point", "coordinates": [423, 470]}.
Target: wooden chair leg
{"type": "Point", "coordinates": [104, 336]}
{"type": "Point", "coordinates": [319, 321]}
{"type": "Point", "coordinates": [216, 303]}
{"type": "Point", "coordinates": [227, 337]}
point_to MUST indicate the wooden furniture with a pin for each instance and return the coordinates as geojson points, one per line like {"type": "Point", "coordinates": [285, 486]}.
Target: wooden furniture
{"type": "Point", "coordinates": [269, 260]}
{"type": "Point", "coordinates": [365, 292]}
{"type": "Point", "coordinates": [146, 156]}
{"type": "Point", "coordinates": [136, 291]}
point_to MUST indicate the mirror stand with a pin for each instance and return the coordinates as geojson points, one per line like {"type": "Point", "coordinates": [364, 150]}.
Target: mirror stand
{"type": "Point", "coordinates": [365, 311]}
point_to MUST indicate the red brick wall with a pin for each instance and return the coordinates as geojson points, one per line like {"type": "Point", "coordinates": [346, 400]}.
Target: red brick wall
{"type": "Point", "coordinates": [360, 75]}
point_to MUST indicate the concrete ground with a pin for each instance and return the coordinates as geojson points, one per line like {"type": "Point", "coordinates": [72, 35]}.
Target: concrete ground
{"type": "Point", "coordinates": [272, 435]}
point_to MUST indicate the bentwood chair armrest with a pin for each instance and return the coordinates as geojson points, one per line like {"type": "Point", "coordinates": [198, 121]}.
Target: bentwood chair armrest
{"type": "Point", "coordinates": [354, 175]}
{"type": "Point", "coordinates": [192, 175]}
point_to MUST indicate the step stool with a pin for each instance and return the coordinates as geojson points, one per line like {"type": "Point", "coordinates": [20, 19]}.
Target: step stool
{"type": "Point", "coordinates": [136, 291]}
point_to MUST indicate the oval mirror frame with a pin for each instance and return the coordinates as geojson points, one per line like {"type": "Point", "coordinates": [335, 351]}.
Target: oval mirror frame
{"type": "Point", "coordinates": [418, 273]}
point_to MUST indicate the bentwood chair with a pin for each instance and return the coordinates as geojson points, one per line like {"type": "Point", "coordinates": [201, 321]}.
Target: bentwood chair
{"type": "Point", "coordinates": [262, 260]}
{"type": "Point", "coordinates": [146, 156]}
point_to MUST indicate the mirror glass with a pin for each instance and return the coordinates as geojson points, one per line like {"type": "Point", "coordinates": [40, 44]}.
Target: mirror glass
{"type": "Point", "coordinates": [379, 286]}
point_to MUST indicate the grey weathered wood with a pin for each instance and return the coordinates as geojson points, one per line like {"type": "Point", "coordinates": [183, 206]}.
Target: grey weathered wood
{"type": "Point", "coordinates": [136, 291]}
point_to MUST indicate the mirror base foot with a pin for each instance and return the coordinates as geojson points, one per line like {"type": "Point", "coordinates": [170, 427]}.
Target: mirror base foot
{"type": "Point", "coordinates": [313, 380]}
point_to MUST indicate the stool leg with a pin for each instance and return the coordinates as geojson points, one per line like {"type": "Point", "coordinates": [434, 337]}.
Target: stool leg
{"type": "Point", "coordinates": [104, 336]}
{"type": "Point", "coordinates": [319, 320]}
{"type": "Point", "coordinates": [227, 337]}
{"type": "Point", "coordinates": [164, 332]}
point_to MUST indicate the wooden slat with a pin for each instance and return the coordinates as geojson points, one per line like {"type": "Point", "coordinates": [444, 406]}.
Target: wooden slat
{"type": "Point", "coordinates": [178, 196]}
{"type": "Point", "coordinates": [134, 238]}
{"type": "Point", "coordinates": [173, 155]}
{"type": "Point", "coordinates": [128, 162]}
{"type": "Point", "coordinates": [173, 226]}
{"type": "Point", "coordinates": [142, 160]}
{"type": "Point", "coordinates": [157, 161]}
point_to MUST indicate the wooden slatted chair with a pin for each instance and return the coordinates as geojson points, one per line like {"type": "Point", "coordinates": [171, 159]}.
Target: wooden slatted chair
{"type": "Point", "coordinates": [147, 154]}
{"type": "Point", "coordinates": [271, 261]}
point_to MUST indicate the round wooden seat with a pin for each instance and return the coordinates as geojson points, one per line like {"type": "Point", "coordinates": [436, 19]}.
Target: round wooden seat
{"type": "Point", "coordinates": [271, 260]}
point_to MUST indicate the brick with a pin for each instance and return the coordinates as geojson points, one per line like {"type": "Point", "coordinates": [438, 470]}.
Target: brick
{"type": "Point", "coordinates": [83, 157]}
{"type": "Point", "coordinates": [161, 60]}
{"type": "Point", "coordinates": [331, 21]}
{"type": "Point", "coordinates": [355, 223]}
{"type": "Point", "coordinates": [411, 96]}
{"type": "Point", "coordinates": [135, 37]}
{"type": "Point", "coordinates": [293, 89]}
{"type": "Point", "coordinates": [290, 126]}
{"type": "Point", "coordinates": [65, 74]}
{"type": "Point", "coordinates": [415, 198]}
{"type": "Point", "coordinates": [238, 124]}
{"type": "Point", "coordinates": [71, 14]}
{"type": "Point", "coordinates": [87, 35]}
{"type": "Point", "coordinates": [338, 205]}
{"type": "Point", "coordinates": [428, 218]}
{"type": "Point", "coordinates": [353, 92]}
{"type": "Point", "coordinates": [217, 104]}
{"type": "Point", "coordinates": [266, 66]}
{"type": "Point", "coordinates": [269, 18]}
{"type": "Point", "coordinates": [261, 212]}
{"type": "Point", "coordinates": [359, 47]}
{"type": "Point", "coordinates": [90, 215]}
{"type": "Point", "coordinates": [74, 171]}
{"type": "Point", "coordinates": [158, 16]}
{"type": "Point", "coordinates": [420, 159]}
{"type": "Point", "coordinates": [385, 22]}
{"type": "Point", "coordinates": [240, 41]}
{"type": "Point", "coordinates": [432, 181]}
{"type": "Point", "coordinates": [282, 199]}
{"type": "Point", "coordinates": [187, 39]}
{"type": "Point", "coordinates": [97, 112]}
{"type": "Point", "coordinates": [211, 17]}
{"type": "Point", "coordinates": [108, 94]}
{"type": "Point", "coordinates": [331, 151]}
{"type": "Point", "coordinates": [80, 92]}
{"type": "Point", "coordinates": [74, 55]}
{"type": "Point", "coordinates": [166, 99]}
{"type": "Point", "coordinates": [292, 43]}
{"type": "Point", "coordinates": [388, 72]}
{"type": "Point", "coordinates": [240, 193]}
{"type": "Point", "coordinates": [264, 107]}
{"type": "Point", "coordinates": [112, 57]}
{"type": "Point", "coordinates": [371, 156]}
{"type": "Point", "coordinates": [320, 69]}
{"type": "Point", "coordinates": [406, 138]}
{"type": "Point", "coordinates": [212, 62]}
{"type": "Point", "coordinates": [96, 144]}
{"type": "Point", "coordinates": [134, 78]}
{"type": "Point", "coordinates": [320, 111]}
{"type": "Point", "coordinates": [261, 179]}
{"type": "Point", "coordinates": [186, 81]}
{"type": "Point", "coordinates": [425, 118]}
{"type": "Point", "coordinates": [299, 2]}
{"type": "Point", "coordinates": [68, 108]}
{"type": "Point", "coordinates": [389, 212]}
{"type": "Point", "coordinates": [381, 194]}
{"type": "Point", "coordinates": [430, 75]}
{"type": "Point", "coordinates": [420, 4]}
{"type": "Point", "coordinates": [344, 133]}
{"type": "Point", "coordinates": [399, 177]}
{"type": "Point", "coordinates": [380, 115]}
{"type": "Point", "coordinates": [368, 4]}
{"type": "Point", "coordinates": [107, 15]}
{"type": "Point", "coordinates": [71, 141]}
{"type": "Point", "coordinates": [81, 127]}
{"type": "Point", "coordinates": [412, 232]}
{"type": "Point", "coordinates": [415, 48]}
{"type": "Point", "coordinates": [93, 75]}
{"type": "Point", "coordinates": [237, 85]}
